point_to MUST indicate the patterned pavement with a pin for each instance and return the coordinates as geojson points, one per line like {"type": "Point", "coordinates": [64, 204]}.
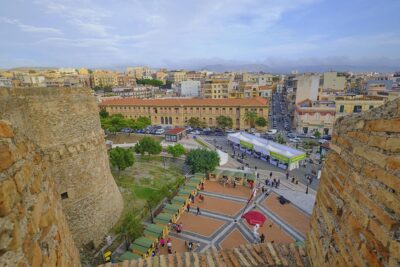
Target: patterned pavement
{"type": "Point", "coordinates": [220, 225]}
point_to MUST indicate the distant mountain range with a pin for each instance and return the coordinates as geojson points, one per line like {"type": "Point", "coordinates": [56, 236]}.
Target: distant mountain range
{"type": "Point", "coordinates": [300, 69]}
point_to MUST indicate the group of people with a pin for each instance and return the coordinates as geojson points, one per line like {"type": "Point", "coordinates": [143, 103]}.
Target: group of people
{"type": "Point", "coordinates": [257, 236]}
{"type": "Point", "coordinates": [162, 242]}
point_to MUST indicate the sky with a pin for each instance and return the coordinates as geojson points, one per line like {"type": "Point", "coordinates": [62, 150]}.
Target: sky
{"type": "Point", "coordinates": [196, 33]}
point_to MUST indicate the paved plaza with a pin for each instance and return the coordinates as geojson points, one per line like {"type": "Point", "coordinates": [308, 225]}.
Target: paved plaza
{"type": "Point", "coordinates": [220, 224]}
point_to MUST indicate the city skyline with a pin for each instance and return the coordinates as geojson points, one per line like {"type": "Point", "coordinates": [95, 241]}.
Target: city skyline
{"type": "Point", "coordinates": [309, 35]}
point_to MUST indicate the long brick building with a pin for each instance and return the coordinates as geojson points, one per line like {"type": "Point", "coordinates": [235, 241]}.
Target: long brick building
{"type": "Point", "coordinates": [177, 111]}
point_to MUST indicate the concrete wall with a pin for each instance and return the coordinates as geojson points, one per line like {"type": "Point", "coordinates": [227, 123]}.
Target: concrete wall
{"type": "Point", "coordinates": [356, 219]}
{"type": "Point", "coordinates": [33, 228]}
{"type": "Point", "coordinates": [64, 124]}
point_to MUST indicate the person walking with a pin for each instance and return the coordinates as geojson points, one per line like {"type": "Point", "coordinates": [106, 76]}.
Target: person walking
{"type": "Point", "coordinates": [198, 211]}
{"type": "Point", "coordinates": [188, 207]}
{"type": "Point", "coordinates": [287, 175]}
{"type": "Point", "coordinates": [169, 246]}
{"type": "Point", "coordinates": [262, 238]}
{"type": "Point", "coordinates": [162, 242]}
{"type": "Point", "coordinates": [270, 175]}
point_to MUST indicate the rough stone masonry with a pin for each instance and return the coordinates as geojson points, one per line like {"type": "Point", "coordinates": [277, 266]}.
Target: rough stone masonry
{"type": "Point", "coordinates": [356, 219]}
{"type": "Point", "coordinates": [63, 123]}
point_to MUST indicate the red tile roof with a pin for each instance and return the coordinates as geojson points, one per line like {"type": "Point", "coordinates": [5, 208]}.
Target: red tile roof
{"type": "Point", "coordinates": [176, 130]}
{"type": "Point", "coordinates": [174, 102]}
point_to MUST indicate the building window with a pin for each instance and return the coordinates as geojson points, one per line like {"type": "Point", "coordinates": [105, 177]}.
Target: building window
{"type": "Point", "coordinates": [326, 131]}
{"type": "Point", "coordinates": [170, 120]}
{"type": "Point", "coordinates": [357, 109]}
{"type": "Point", "coordinates": [341, 109]}
{"type": "Point", "coordinates": [162, 120]}
{"type": "Point", "coordinates": [305, 130]}
{"type": "Point", "coordinates": [64, 195]}
{"type": "Point", "coordinates": [371, 107]}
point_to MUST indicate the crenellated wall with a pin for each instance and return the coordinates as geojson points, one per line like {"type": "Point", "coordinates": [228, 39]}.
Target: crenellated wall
{"type": "Point", "coordinates": [64, 124]}
{"type": "Point", "coordinates": [33, 228]}
{"type": "Point", "coordinates": [356, 219]}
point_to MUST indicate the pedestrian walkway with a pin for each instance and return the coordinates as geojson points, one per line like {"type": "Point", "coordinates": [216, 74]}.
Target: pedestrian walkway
{"type": "Point", "coordinates": [220, 224]}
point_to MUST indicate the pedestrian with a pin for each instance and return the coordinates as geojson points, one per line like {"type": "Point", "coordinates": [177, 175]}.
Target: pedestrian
{"type": "Point", "coordinates": [192, 199]}
{"type": "Point", "coordinates": [255, 232]}
{"type": "Point", "coordinates": [287, 175]}
{"type": "Point", "coordinates": [270, 175]}
{"type": "Point", "coordinates": [262, 238]}
{"type": "Point", "coordinates": [198, 210]}
{"type": "Point", "coordinates": [188, 207]}
{"type": "Point", "coordinates": [263, 189]}
{"type": "Point", "coordinates": [162, 241]}
{"type": "Point", "coordinates": [234, 184]}
{"type": "Point", "coordinates": [278, 182]}
{"type": "Point", "coordinates": [190, 246]}
{"type": "Point", "coordinates": [255, 167]}
{"type": "Point", "coordinates": [293, 179]}
{"type": "Point", "coordinates": [258, 175]}
{"type": "Point", "coordinates": [169, 245]}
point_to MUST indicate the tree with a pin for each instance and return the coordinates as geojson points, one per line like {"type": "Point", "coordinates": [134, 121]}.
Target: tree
{"type": "Point", "coordinates": [251, 117]}
{"type": "Point", "coordinates": [113, 123]}
{"type": "Point", "coordinates": [194, 122]}
{"type": "Point", "coordinates": [317, 134]}
{"type": "Point", "coordinates": [149, 145]}
{"type": "Point", "coordinates": [103, 113]}
{"type": "Point", "coordinates": [131, 226]}
{"type": "Point", "coordinates": [261, 122]}
{"type": "Point", "coordinates": [152, 82]}
{"type": "Point", "coordinates": [202, 160]}
{"type": "Point", "coordinates": [279, 138]}
{"type": "Point", "coordinates": [224, 122]}
{"type": "Point", "coordinates": [176, 150]}
{"type": "Point", "coordinates": [121, 158]}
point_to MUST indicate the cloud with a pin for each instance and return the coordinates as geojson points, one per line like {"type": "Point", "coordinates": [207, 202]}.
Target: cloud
{"type": "Point", "coordinates": [30, 28]}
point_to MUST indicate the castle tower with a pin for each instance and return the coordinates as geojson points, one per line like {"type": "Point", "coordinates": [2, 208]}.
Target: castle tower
{"type": "Point", "coordinates": [64, 124]}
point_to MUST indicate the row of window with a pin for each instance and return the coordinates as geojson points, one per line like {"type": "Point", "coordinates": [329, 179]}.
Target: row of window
{"type": "Point", "coordinates": [356, 108]}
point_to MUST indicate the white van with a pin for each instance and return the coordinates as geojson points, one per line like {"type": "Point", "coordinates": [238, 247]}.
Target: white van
{"type": "Point", "coordinates": [272, 131]}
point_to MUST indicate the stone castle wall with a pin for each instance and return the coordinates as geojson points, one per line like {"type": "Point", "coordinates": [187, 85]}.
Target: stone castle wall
{"type": "Point", "coordinates": [64, 124]}
{"type": "Point", "coordinates": [33, 228]}
{"type": "Point", "coordinates": [356, 219]}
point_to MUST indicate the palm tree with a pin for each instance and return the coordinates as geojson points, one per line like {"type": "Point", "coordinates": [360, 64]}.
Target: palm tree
{"type": "Point", "coordinates": [251, 117]}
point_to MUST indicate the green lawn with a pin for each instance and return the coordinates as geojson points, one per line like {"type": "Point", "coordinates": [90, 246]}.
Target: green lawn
{"type": "Point", "coordinates": [144, 180]}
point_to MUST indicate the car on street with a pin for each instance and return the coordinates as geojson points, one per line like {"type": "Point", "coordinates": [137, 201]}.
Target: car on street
{"type": "Point", "coordinates": [229, 131]}
{"type": "Point", "coordinates": [272, 131]}
{"type": "Point", "coordinates": [323, 141]}
{"type": "Point", "coordinates": [126, 130]}
{"type": "Point", "coordinates": [159, 131]}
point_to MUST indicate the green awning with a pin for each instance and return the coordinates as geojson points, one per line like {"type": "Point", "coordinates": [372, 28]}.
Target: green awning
{"type": "Point", "coordinates": [183, 192]}
{"type": "Point", "coordinates": [136, 247]}
{"type": "Point", "coordinates": [250, 176]}
{"type": "Point", "coordinates": [196, 180]}
{"type": "Point", "coordinates": [192, 184]}
{"type": "Point", "coordinates": [144, 242]}
{"type": "Point", "coordinates": [178, 200]}
{"type": "Point", "coordinates": [154, 228]}
{"type": "Point", "coordinates": [128, 256]}
{"type": "Point", "coordinates": [199, 175]}
{"type": "Point", "coordinates": [189, 187]}
{"type": "Point", "coordinates": [171, 208]}
{"type": "Point", "coordinates": [163, 218]}
{"type": "Point", "coordinates": [227, 173]}
{"type": "Point", "coordinates": [239, 174]}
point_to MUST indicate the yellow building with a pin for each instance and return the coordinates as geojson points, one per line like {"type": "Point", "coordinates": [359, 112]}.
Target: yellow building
{"type": "Point", "coordinates": [216, 88]}
{"type": "Point", "coordinates": [334, 82]}
{"type": "Point", "coordinates": [177, 76]}
{"type": "Point", "coordinates": [104, 78]}
{"type": "Point", "coordinates": [83, 71]}
{"type": "Point", "coordinates": [311, 116]}
{"type": "Point", "coordinates": [178, 111]}
{"type": "Point", "coordinates": [355, 104]}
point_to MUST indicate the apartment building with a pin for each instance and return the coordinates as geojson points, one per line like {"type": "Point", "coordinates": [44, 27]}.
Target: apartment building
{"type": "Point", "coordinates": [5, 82]}
{"type": "Point", "coordinates": [346, 105]}
{"type": "Point", "coordinates": [334, 82]}
{"type": "Point", "coordinates": [307, 87]}
{"type": "Point", "coordinates": [311, 116]}
{"type": "Point", "coordinates": [189, 88]}
{"type": "Point", "coordinates": [177, 111]}
{"type": "Point", "coordinates": [104, 78]}
{"type": "Point", "coordinates": [195, 75]}
{"type": "Point", "coordinates": [216, 88]}
{"type": "Point", "coordinates": [176, 76]}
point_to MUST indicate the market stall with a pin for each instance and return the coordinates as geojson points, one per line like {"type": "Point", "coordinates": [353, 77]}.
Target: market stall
{"type": "Point", "coordinates": [282, 156]}
{"type": "Point", "coordinates": [128, 256]}
{"type": "Point", "coordinates": [164, 218]}
{"type": "Point", "coordinates": [142, 246]}
{"type": "Point", "coordinates": [154, 231]}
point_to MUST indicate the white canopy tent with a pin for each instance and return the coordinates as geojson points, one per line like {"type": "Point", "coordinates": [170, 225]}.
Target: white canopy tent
{"type": "Point", "coordinates": [282, 154]}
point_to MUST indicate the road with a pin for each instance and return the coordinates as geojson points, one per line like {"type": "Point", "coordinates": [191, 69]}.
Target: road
{"type": "Point", "coordinates": [299, 173]}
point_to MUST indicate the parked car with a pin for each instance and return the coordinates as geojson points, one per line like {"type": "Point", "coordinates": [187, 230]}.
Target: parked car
{"type": "Point", "coordinates": [291, 135]}
{"type": "Point", "coordinates": [327, 137]}
{"type": "Point", "coordinates": [160, 131]}
{"type": "Point", "coordinates": [140, 131]}
{"type": "Point", "coordinates": [229, 131]}
{"type": "Point", "coordinates": [126, 130]}
{"type": "Point", "coordinates": [272, 131]}
{"type": "Point", "coordinates": [322, 141]}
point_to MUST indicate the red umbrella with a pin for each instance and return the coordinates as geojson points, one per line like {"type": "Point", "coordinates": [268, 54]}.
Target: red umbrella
{"type": "Point", "coordinates": [254, 217]}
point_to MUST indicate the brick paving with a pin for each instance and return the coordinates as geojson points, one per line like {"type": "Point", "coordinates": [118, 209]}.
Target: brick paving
{"type": "Point", "coordinates": [219, 205]}
{"type": "Point", "coordinates": [289, 213]}
{"type": "Point", "coordinates": [201, 225]}
{"type": "Point", "coordinates": [272, 232]}
{"type": "Point", "coordinates": [220, 224]}
{"type": "Point", "coordinates": [239, 191]}
{"type": "Point", "coordinates": [178, 245]}
{"type": "Point", "coordinates": [234, 239]}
